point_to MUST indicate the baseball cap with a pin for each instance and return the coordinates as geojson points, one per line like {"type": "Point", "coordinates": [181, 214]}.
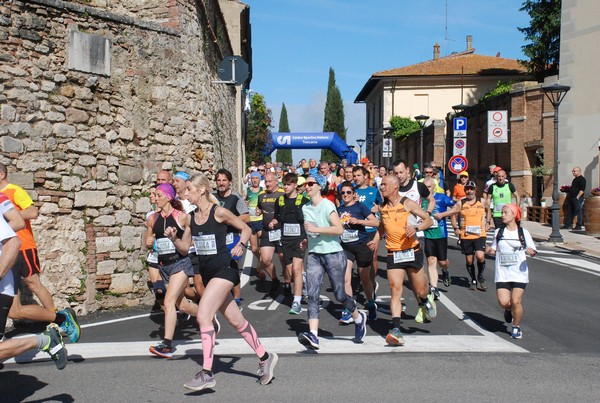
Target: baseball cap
{"type": "Point", "coordinates": [470, 184]}
{"type": "Point", "coordinates": [182, 175]}
{"type": "Point", "coordinates": [496, 169]}
{"type": "Point", "coordinates": [365, 160]}
{"type": "Point", "coordinates": [301, 180]}
{"type": "Point", "coordinates": [464, 173]}
{"type": "Point", "coordinates": [255, 174]}
{"type": "Point", "coordinates": [321, 180]}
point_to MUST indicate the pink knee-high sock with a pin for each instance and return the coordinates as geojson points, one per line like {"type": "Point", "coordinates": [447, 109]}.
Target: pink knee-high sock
{"type": "Point", "coordinates": [207, 334]}
{"type": "Point", "coordinates": [248, 333]}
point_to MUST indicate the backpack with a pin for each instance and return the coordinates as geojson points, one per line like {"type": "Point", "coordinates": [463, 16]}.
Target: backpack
{"type": "Point", "coordinates": [521, 236]}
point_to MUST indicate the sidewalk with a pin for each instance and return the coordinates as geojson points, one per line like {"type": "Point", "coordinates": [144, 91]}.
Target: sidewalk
{"type": "Point", "coordinates": [576, 242]}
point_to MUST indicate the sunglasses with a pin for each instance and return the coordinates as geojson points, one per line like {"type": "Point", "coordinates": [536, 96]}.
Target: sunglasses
{"type": "Point", "coordinates": [428, 172]}
{"type": "Point", "coordinates": [469, 189]}
{"type": "Point", "coordinates": [346, 192]}
{"type": "Point", "coordinates": [309, 184]}
{"type": "Point", "coordinates": [261, 170]}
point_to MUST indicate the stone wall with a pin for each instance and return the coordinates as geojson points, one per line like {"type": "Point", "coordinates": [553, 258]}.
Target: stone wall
{"type": "Point", "coordinates": [87, 146]}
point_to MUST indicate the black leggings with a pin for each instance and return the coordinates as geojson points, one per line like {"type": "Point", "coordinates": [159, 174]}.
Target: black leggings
{"type": "Point", "coordinates": [5, 304]}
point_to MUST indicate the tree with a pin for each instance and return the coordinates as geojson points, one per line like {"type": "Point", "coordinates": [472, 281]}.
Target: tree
{"type": "Point", "coordinates": [258, 132]}
{"type": "Point", "coordinates": [543, 35]}
{"type": "Point", "coordinates": [334, 115]}
{"type": "Point", "coordinates": [284, 156]}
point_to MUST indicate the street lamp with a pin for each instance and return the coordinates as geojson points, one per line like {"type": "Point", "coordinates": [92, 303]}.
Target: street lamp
{"type": "Point", "coordinates": [387, 149]}
{"type": "Point", "coordinates": [360, 142]}
{"type": "Point", "coordinates": [555, 94]}
{"type": "Point", "coordinates": [370, 142]}
{"type": "Point", "coordinates": [421, 119]}
{"type": "Point", "coordinates": [459, 108]}
{"type": "Point", "coordinates": [351, 148]}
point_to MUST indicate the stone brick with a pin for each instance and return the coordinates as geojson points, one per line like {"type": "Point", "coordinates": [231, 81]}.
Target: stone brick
{"type": "Point", "coordinates": [121, 283]}
{"type": "Point", "coordinates": [122, 217]}
{"type": "Point", "coordinates": [131, 237]}
{"type": "Point", "coordinates": [11, 145]}
{"type": "Point", "coordinates": [106, 267]}
{"type": "Point", "coordinates": [107, 244]}
{"type": "Point", "coordinates": [126, 133]}
{"type": "Point", "coordinates": [71, 183]}
{"type": "Point", "coordinates": [90, 199]}
{"type": "Point", "coordinates": [105, 221]}
{"type": "Point", "coordinates": [77, 116]}
{"type": "Point", "coordinates": [8, 113]}
{"type": "Point", "coordinates": [87, 160]}
{"type": "Point", "coordinates": [130, 174]}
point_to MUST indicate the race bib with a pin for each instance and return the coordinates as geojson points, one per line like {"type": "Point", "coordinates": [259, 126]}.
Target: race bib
{"type": "Point", "coordinates": [349, 236]}
{"type": "Point", "coordinates": [291, 229]}
{"type": "Point", "coordinates": [498, 208]}
{"type": "Point", "coordinates": [435, 223]}
{"type": "Point", "coordinates": [275, 235]}
{"type": "Point", "coordinates": [509, 258]}
{"type": "Point", "coordinates": [229, 238]}
{"type": "Point", "coordinates": [473, 229]}
{"type": "Point", "coordinates": [252, 211]}
{"type": "Point", "coordinates": [205, 244]}
{"type": "Point", "coordinates": [164, 246]}
{"type": "Point", "coordinates": [152, 257]}
{"type": "Point", "coordinates": [402, 256]}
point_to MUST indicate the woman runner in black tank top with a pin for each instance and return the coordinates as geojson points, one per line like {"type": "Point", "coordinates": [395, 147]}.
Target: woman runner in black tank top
{"type": "Point", "coordinates": [208, 225]}
{"type": "Point", "coordinates": [167, 227]}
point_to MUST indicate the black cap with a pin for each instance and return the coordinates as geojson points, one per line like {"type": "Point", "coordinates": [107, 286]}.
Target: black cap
{"type": "Point", "coordinates": [470, 184]}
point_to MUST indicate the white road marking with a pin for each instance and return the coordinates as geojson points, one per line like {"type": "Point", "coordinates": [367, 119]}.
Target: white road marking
{"type": "Point", "coordinates": [582, 264]}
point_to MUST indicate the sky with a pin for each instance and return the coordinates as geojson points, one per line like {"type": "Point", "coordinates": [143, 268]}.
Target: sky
{"type": "Point", "coordinates": [295, 42]}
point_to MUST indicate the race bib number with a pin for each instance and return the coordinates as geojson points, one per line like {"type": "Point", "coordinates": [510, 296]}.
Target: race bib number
{"type": "Point", "coordinates": [275, 235]}
{"type": "Point", "coordinates": [509, 258]}
{"type": "Point", "coordinates": [402, 256]}
{"type": "Point", "coordinates": [164, 246]}
{"type": "Point", "coordinates": [152, 257]}
{"type": "Point", "coordinates": [435, 223]}
{"type": "Point", "coordinates": [498, 208]}
{"type": "Point", "coordinates": [473, 229]}
{"type": "Point", "coordinates": [252, 211]}
{"type": "Point", "coordinates": [229, 238]}
{"type": "Point", "coordinates": [349, 236]}
{"type": "Point", "coordinates": [291, 229]}
{"type": "Point", "coordinates": [205, 244]}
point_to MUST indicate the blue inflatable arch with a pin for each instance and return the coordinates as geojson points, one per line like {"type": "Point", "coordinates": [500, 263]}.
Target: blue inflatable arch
{"type": "Point", "coordinates": [328, 140]}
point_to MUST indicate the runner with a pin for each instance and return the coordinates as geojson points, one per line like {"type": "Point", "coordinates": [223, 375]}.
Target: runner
{"type": "Point", "coordinates": [166, 227]}
{"type": "Point", "coordinates": [251, 197]}
{"type": "Point", "coordinates": [356, 242]}
{"type": "Point", "coordinates": [511, 244]}
{"type": "Point", "coordinates": [325, 254]}
{"type": "Point", "coordinates": [27, 267]}
{"type": "Point", "coordinates": [288, 217]}
{"type": "Point", "coordinates": [404, 255]}
{"type": "Point", "coordinates": [158, 285]}
{"type": "Point", "coordinates": [472, 234]}
{"type": "Point", "coordinates": [208, 231]}
{"type": "Point", "coordinates": [497, 195]}
{"type": "Point", "coordinates": [436, 238]}
{"type": "Point", "coordinates": [458, 192]}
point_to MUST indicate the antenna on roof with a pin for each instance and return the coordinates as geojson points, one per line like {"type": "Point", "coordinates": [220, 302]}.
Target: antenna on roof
{"type": "Point", "coordinates": [446, 39]}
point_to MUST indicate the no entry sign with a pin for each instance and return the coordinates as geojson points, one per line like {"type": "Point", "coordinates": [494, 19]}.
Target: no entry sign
{"type": "Point", "coordinates": [458, 164]}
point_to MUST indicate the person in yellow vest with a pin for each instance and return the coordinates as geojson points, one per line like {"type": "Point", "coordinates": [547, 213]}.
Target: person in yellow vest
{"type": "Point", "coordinates": [472, 234]}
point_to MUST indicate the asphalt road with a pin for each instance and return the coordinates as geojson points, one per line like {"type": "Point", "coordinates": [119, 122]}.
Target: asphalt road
{"type": "Point", "coordinates": [465, 354]}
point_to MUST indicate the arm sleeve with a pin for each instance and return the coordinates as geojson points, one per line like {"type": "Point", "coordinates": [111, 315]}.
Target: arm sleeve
{"type": "Point", "coordinates": [22, 199]}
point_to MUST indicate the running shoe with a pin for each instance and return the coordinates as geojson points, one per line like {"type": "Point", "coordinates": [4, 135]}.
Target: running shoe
{"type": "Point", "coordinates": [403, 307]}
{"type": "Point", "coordinates": [429, 307]}
{"type": "Point", "coordinates": [481, 281]}
{"type": "Point", "coordinates": [162, 351]}
{"type": "Point", "coordinates": [309, 340]}
{"type": "Point", "coordinates": [436, 293]}
{"type": "Point", "coordinates": [202, 380]}
{"type": "Point", "coordinates": [372, 308]}
{"type": "Point", "coordinates": [296, 309]}
{"type": "Point", "coordinates": [446, 278]}
{"type": "Point", "coordinates": [71, 325]}
{"type": "Point", "coordinates": [360, 330]}
{"type": "Point", "coordinates": [419, 316]}
{"type": "Point", "coordinates": [346, 318]}
{"type": "Point", "coordinates": [507, 316]}
{"type": "Point", "coordinates": [394, 337]}
{"type": "Point", "coordinates": [516, 333]}
{"type": "Point", "coordinates": [55, 347]}
{"type": "Point", "coordinates": [266, 367]}
{"type": "Point", "coordinates": [216, 325]}
{"type": "Point", "coordinates": [473, 285]}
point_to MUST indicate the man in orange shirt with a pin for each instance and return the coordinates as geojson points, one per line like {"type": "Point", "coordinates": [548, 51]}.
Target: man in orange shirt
{"type": "Point", "coordinates": [27, 266]}
{"type": "Point", "coordinates": [458, 192]}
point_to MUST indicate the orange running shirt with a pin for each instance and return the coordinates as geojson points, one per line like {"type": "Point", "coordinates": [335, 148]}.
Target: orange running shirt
{"type": "Point", "coordinates": [394, 220]}
{"type": "Point", "coordinates": [472, 216]}
{"type": "Point", "coordinates": [21, 200]}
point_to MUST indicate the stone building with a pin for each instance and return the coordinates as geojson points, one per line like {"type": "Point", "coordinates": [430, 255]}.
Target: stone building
{"type": "Point", "coordinates": [96, 96]}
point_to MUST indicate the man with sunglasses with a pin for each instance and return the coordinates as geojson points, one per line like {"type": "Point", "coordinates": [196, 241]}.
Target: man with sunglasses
{"type": "Point", "coordinates": [472, 234]}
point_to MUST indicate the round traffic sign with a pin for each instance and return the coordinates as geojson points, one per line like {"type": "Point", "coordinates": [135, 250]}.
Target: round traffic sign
{"type": "Point", "coordinates": [459, 143]}
{"type": "Point", "coordinates": [497, 132]}
{"type": "Point", "coordinates": [458, 164]}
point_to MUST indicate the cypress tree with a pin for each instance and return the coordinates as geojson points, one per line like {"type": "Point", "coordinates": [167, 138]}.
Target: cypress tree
{"type": "Point", "coordinates": [334, 115]}
{"type": "Point", "coordinates": [258, 131]}
{"type": "Point", "coordinates": [284, 155]}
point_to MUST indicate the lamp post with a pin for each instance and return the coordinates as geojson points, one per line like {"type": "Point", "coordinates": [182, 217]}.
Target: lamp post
{"type": "Point", "coordinates": [421, 119]}
{"type": "Point", "coordinates": [387, 150]}
{"type": "Point", "coordinates": [370, 142]}
{"type": "Point", "coordinates": [351, 148]}
{"type": "Point", "coordinates": [459, 108]}
{"type": "Point", "coordinates": [555, 94]}
{"type": "Point", "coordinates": [360, 142]}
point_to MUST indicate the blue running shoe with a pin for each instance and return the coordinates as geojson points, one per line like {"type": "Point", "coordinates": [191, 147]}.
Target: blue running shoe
{"type": "Point", "coordinates": [360, 330]}
{"type": "Point", "coordinates": [516, 333]}
{"type": "Point", "coordinates": [429, 307]}
{"type": "Point", "coordinates": [372, 308]}
{"type": "Point", "coordinates": [394, 337]}
{"type": "Point", "coordinates": [346, 318]}
{"type": "Point", "coordinates": [162, 350]}
{"type": "Point", "coordinates": [71, 325]}
{"type": "Point", "coordinates": [309, 340]}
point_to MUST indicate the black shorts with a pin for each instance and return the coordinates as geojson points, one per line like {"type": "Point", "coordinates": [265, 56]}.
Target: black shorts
{"type": "Point", "coordinates": [359, 252]}
{"type": "Point", "coordinates": [167, 270]}
{"type": "Point", "coordinates": [216, 266]}
{"type": "Point", "coordinates": [470, 246]}
{"type": "Point", "coordinates": [510, 285]}
{"type": "Point", "coordinates": [263, 241]}
{"type": "Point", "coordinates": [26, 264]}
{"type": "Point", "coordinates": [437, 248]}
{"type": "Point", "coordinates": [415, 264]}
{"type": "Point", "coordinates": [291, 249]}
{"type": "Point", "coordinates": [255, 226]}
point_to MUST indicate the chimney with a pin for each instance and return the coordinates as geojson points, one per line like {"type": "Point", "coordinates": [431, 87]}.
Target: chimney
{"type": "Point", "coordinates": [469, 42]}
{"type": "Point", "coordinates": [436, 51]}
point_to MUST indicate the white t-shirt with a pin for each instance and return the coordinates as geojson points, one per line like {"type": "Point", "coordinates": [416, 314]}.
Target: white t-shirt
{"type": "Point", "coordinates": [7, 285]}
{"type": "Point", "coordinates": [319, 215]}
{"type": "Point", "coordinates": [511, 261]}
